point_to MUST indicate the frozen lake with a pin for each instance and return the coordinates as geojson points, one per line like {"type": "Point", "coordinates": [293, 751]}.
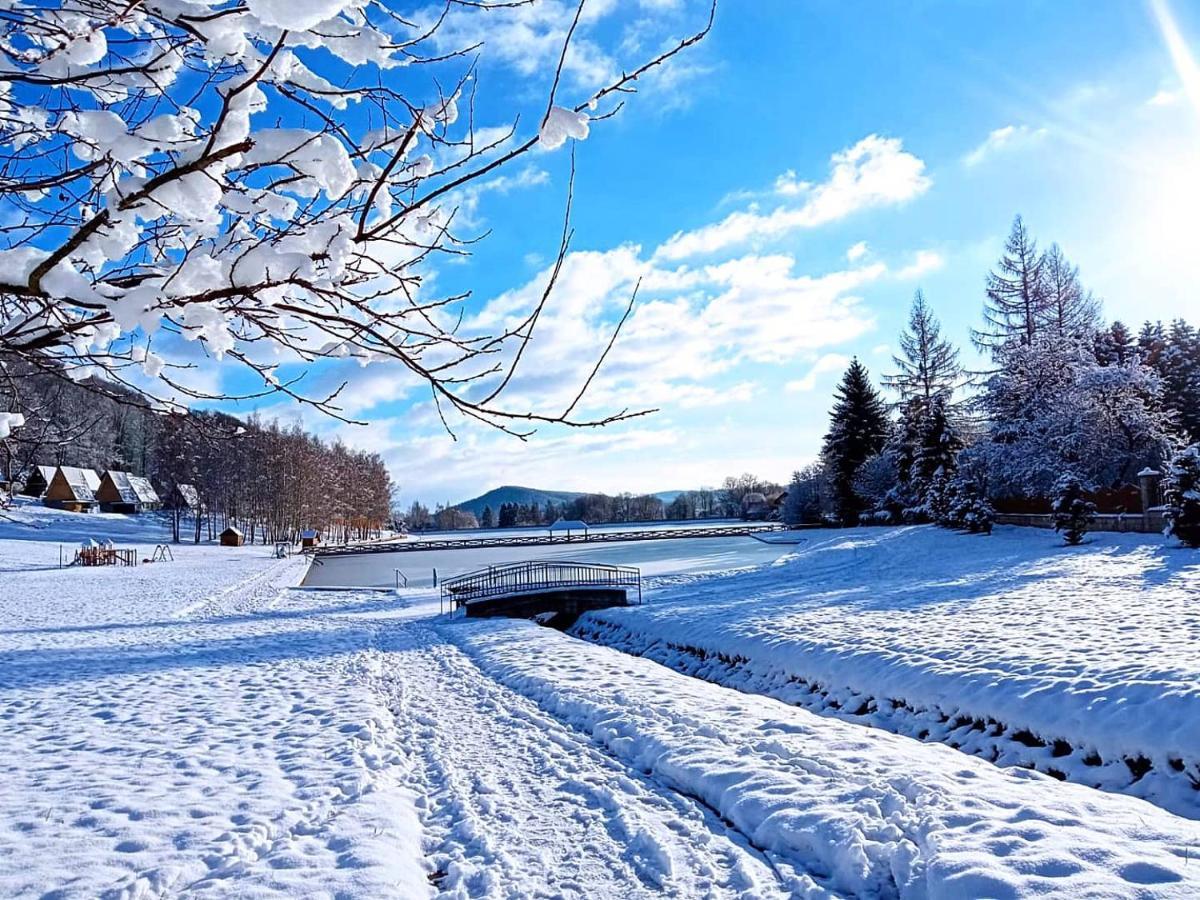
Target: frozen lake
{"type": "Point", "coordinates": [673, 556]}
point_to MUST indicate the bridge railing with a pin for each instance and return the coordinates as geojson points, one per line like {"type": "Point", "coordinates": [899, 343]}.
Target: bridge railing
{"type": "Point", "coordinates": [534, 576]}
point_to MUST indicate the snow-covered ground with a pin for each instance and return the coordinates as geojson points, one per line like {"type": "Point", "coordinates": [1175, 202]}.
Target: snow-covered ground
{"type": "Point", "coordinates": [1081, 661]}
{"type": "Point", "coordinates": [205, 727]}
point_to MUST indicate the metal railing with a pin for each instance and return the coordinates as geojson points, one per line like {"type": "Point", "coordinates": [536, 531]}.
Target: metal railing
{"type": "Point", "coordinates": [538, 539]}
{"type": "Point", "coordinates": [533, 577]}
{"type": "Point", "coordinates": [401, 579]}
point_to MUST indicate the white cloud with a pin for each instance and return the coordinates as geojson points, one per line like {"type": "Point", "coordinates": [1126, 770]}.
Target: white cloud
{"type": "Point", "coordinates": [690, 328]}
{"type": "Point", "coordinates": [1006, 139]}
{"type": "Point", "coordinates": [874, 172]}
{"type": "Point", "coordinates": [857, 252]}
{"type": "Point", "coordinates": [830, 362]}
{"type": "Point", "coordinates": [924, 262]}
{"type": "Point", "coordinates": [1165, 97]}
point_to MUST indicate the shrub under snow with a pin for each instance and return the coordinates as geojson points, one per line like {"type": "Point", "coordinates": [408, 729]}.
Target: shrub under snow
{"type": "Point", "coordinates": [1181, 492]}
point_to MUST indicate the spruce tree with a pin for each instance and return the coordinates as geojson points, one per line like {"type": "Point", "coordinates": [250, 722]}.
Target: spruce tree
{"type": "Point", "coordinates": [1179, 368]}
{"type": "Point", "coordinates": [1073, 512]}
{"type": "Point", "coordinates": [858, 429]}
{"type": "Point", "coordinates": [1114, 346]}
{"type": "Point", "coordinates": [488, 518]}
{"type": "Point", "coordinates": [938, 446]}
{"type": "Point", "coordinates": [1151, 343]}
{"type": "Point", "coordinates": [1181, 495]}
{"type": "Point", "coordinates": [928, 364]}
{"type": "Point", "coordinates": [1017, 303]}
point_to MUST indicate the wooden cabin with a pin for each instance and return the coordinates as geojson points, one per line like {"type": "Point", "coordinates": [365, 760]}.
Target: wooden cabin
{"type": "Point", "coordinates": [73, 489]}
{"type": "Point", "coordinates": [120, 492]}
{"type": "Point", "coordinates": [309, 538]}
{"type": "Point", "coordinates": [184, 497]}
{"type": "Point", "coordinates": [37, 481]}
{"type": "Point", "coordinates": [755, 507]}
{"type": "Point", "coordinates": [232, 537]}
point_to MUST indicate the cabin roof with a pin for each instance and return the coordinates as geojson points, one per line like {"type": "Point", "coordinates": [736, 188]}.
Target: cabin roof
{"type": "Point", "coordinates": [143, 488]}
{"type": "Point", "coordinates": [190, 495]}
{"type": "Point", "coordinates": [121, 483]}
{"type": "Point", "coordinates": [82, 482]}
{"type": "Point", "coordinates": [233, 529]}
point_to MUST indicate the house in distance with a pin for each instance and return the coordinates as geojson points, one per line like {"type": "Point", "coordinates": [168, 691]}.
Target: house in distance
{"type": "Point", "coordinates": [73, 489]}
{"type": "Point", "coordinates": [120, 492]}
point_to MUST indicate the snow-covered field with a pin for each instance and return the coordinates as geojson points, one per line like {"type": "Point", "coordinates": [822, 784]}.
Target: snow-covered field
{"type": "Point", "coordinates": [204, 727]}
{"type": "Point", "coordinates": [1083, 661]}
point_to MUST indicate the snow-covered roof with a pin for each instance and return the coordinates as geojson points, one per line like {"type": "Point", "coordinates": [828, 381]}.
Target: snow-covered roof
{"type": "Point", "coordinates": [120, 481]}
{"type": "Point", "coordinates": [569, 525]}
{"type": "Point", "coordinates": [144, 489]}
{"type": "Point", "coordinates": [1148, 472]}
{"type": "Point", "coordinates": [235, 530]}
{"type": "Point", "coordinates": [83, 482]}
{"type": "Point", "coordinates": [190, 495]}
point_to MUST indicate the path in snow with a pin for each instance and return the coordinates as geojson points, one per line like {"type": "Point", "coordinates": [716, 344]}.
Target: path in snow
{"type": "Point", "coordinates": [517, 804]}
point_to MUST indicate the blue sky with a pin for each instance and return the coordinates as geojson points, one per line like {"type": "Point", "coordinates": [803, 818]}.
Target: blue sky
{"type": "Point", "coordinates": [782, 191]}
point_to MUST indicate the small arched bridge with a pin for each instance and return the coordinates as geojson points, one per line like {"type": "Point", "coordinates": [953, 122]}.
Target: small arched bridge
{"type": "Point", "coordinates": [551, 586]}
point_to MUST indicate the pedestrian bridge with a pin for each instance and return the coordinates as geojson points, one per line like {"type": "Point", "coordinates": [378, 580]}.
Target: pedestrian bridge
{"type": "Point", "coordinates": [547, 586]}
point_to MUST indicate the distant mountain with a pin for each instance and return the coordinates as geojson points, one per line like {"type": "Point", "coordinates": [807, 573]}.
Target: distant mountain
{"type": "Point", "coordinates": [511, 493]}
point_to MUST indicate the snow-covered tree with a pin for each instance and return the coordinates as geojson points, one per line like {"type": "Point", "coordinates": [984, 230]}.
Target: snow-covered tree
{"type": "Point", "coordinates": [966, 507]}
{"type": "Point", "coordinates": [265, 179]}
{"type": "Point", "coordinates": [858, 430]}
{"type": "Point", "coordinates": [1017, 303]}
{"type": "Point", "coordinates": [1073, 512]}
{"type": "Point", "coordinates": [928, 364]}
{"type": "Point", "coordinates": [1181, 495]}
{"type": "Point", "coordinates": [807, 492]}
{"type": "Point", "coordinates": [1052, 407]}
{"type": "Point", "coordinates": [1115, 345]}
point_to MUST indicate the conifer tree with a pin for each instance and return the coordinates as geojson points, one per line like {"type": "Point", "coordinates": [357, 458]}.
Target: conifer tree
{"type": "Point", "coordinates": [1070, 310]}
{"type": "Point", "coordinates": [1017, 303]}
{"type": "Point", "coordinates": [1073, 512]}
{"type": "Point", "coordinates": [928, 364]}
{"type": "Point", "coordinates": [1115, 346]}
{"type": "Point", "coordinates": [1181, 493]}
{"type": "Point", "coordinates": [487, 518]}
{"type": "Point", "coordinates": [858, 429]}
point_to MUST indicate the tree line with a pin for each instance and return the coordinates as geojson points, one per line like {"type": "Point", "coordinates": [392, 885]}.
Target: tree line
{"type": "Point", "coordinates": [724, 502]}
{"type": "Point", "coordinates": [270, 480]}
{"type": "Point", "coordinates": [1065, 402]}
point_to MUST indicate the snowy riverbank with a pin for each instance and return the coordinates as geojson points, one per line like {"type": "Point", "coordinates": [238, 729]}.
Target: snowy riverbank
{"type": "Point", "coordinates": [1083, 662]}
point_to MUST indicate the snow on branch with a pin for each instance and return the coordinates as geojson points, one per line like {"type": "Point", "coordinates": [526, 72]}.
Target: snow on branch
{"type": "Point", "coordinates": [266, 179]}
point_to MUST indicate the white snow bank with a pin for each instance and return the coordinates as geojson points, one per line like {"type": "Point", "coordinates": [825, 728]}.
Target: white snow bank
{"type": "Point", "coordinates": [1093, 645]}
{"type": "Point", "coordinates": [866, 812]}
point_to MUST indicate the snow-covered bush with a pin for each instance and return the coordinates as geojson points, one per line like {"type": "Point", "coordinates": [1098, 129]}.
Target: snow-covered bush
{"type": "Point", "coordinates": [266, 182]}
{"type": "Point", "coordinates": [963, 505]}
{"type": "Point", "coordinates": [1181, 494]}
{"type": "Point", "coordinates": [1073, 512]}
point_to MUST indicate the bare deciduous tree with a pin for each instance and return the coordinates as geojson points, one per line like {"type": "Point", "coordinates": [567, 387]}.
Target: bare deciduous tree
{"type": "Point", "coordinates": [266, 179]}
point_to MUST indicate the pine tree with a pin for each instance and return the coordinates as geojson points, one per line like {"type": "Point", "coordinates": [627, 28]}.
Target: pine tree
{"type": "Point", "coordinates": [487, 518]}
{"type": "Point", "coordinates": [1073, 512]}
{"type": "Point", "coordinates": [1017, 303]}
{"type": "Point", "coordinates": [928, 364]}
{"type": "Point", "coordinates": [1070, 310]}
{"type": "Point", "coordinates": [1150, 344]}
{"type": "Point", "coordinates": [1179, 368]}
{"type": "Point", "coordinates": [1114, 346]}
{"type": "Point", "coordinates": [858, 430]}
{"type": "Point", "coordinates": [1181, 494]}
{"type": "Point", "coordinates": [938, 446]}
